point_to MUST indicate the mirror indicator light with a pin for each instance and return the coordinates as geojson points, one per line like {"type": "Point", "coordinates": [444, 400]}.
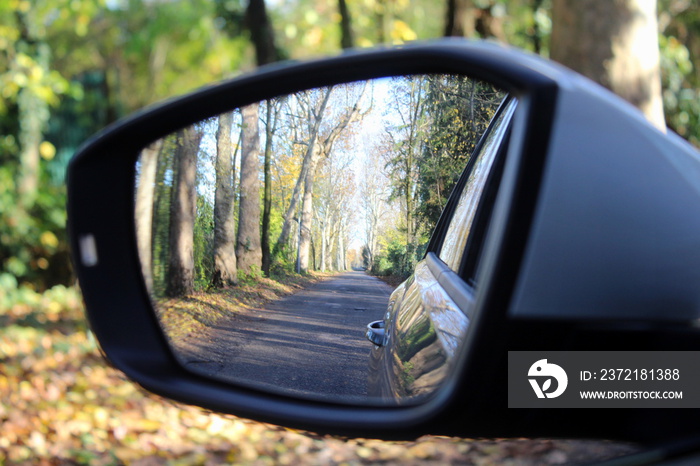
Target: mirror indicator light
{"type": "Point", "coordinates": [88, 250]}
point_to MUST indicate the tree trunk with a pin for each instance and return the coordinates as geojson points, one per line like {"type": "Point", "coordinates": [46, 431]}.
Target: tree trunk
{"type": "Point", "coordinates": [163, 196]}
{"type": "Point", "coordinates": [536, 31]}
{"type": "Point", "coordinates": [324, 245]}
{"type": "Point", "coordinates": [271, 121]}
{"type": "Point", "coordinates": [288, 220]}
{"type": "Point", "coordinates": [145, 201]}
{"type": "Point", "coordinates": [331, 246]}
{"type": "Point", "coordinates": [33, 113]}
{"type": "Point", "coordinates": [340, 251]}
{"type": "Point", "coordinates": [325, 147]}
{"type": "Point", "coordinates": [615, 43]}
{"type": "Point", "coordinates": [182, 216]}
{"type": "Point", "coordinates": [460, 18]}
{"type": "Point", "coordinates": [385, 19]}
{"type": "Point", "coordinates": [225, 270]}
{"type": "Point", "coordinates": [347, 39]}
{"type": "Point", "coordinates": [30, 108]}
{"type": "Point", "coordinates": [306, 218]}
{"type": "Point", "coordinates": [311, 153]}
{"type": "Point", "coordinates": [248, 250]}
{"type": "Point", "coordinates": [261, 33]}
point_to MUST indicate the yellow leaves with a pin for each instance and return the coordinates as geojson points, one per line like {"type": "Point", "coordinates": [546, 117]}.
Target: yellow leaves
{"type": "Point", "coordinates": [364, 42]}
{"type": "Point", "coordinates": [25, 73]}
{"type": "Point", "coordinates": [48, 239]}
{"type": "Point", "coordinates": [22, 6]}
{"type": "Point", "coordinates": [72, 408]}
{"type": "Point", "coordinates": [47, 150]}
{"type": "Point", "coordinates": [8, 35]}
{"type": "Point", "coordinates": [30, 68]}
{"type": "Point", "coordinates": [81, 25]}
{"type": "Point", "coordinates": [402, 32]}
{"type": "Point", "coordinates": [42, 263]}
{"type": "Point", "coordinates": [311, 16]}
{"type": "Point", "coordinates": [290, 31]}
{"type": "Point", "coordinates": [313, 37]}
{"type": "Point", "coordinates": [142, 425]}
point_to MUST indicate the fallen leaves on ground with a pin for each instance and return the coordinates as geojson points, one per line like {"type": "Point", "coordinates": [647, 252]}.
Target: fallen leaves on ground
{"type": "Point", "coordinates": [194, 314]}
{"type": "Point", "coordinates": [61, 404]}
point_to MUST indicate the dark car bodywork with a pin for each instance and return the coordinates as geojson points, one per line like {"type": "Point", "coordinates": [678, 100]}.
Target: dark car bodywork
{"type": "Point", "coordinates": [428, 315]}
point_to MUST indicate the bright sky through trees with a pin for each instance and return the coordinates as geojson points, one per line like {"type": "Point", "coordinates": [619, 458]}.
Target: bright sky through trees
{"type": "Point", "coordinates": [381, 156]}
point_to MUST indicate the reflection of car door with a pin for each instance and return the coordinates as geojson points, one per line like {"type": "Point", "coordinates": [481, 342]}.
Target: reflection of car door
{"type": "Point", "coordinates": [428, 315]}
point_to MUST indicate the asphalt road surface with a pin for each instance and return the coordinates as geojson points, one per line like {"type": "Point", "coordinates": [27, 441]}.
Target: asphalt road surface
{"type": "Point", "coordinates": [311, 343]}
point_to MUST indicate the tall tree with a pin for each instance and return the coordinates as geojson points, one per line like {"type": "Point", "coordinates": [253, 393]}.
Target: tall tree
{"type": "Point", "coordinates": [325, 146]}
{"type": "Point", "coordinates": [336, 187]}
{"type": "Point", "coordinates": [374, 193]}
{"type": "Point", "coordinates": [314, 118]}
{"type": "Point", "coordinates": [384, 18]}
{"type": "Point", "coordinates": [458, 112]}
{"type": "Point", "coordinates": [248, 249]}
{"type": "Point", "coordinates": [536, 27]}
{"type": "Point", "coordinates": [261, 32]}
{"type": "Point", "coordinates": [32, 108]}
{"type": "Point", "coordinates": [347, 38]}
{"type": "Point", "coordinates": [408, 141]}
{"type": "Point", "coordinates": [182, 214]}
{"type": "Point", "coordinates": [145, 201]}
{"type": "Point", "coordinates": [460, 18]}
{"type": "Point", "coordinates": [225, 270]}
{"type": "Point", "coordinates": [615, 43]}
{"type": "Point", "coordinates": [306, 216]}
{"type": "Point", "coordinates": [271, 118]}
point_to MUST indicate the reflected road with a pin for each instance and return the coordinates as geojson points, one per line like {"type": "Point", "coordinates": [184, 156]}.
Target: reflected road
{"type": "Point", "coordinates": [311, 343]}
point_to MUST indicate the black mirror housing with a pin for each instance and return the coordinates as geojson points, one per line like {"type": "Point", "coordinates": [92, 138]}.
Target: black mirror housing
{"type": "Point", "coordinates": [542, 285]}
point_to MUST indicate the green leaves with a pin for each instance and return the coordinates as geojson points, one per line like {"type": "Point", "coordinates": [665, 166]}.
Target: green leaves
{"type": "Point", "coordinates": [680, 93]}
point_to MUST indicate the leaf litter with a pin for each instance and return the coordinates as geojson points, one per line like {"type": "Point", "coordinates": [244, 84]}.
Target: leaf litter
{"type": "Point", "coordinates": [61, 404]}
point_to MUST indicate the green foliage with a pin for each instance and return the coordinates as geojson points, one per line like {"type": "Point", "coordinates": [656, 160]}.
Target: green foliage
{"type": "Point", "coordinates": [250, 277]}
{"type": "Point", "coordinates": [161, 216]}
{"type": "Point", "coordinates": [57, 88]}
{"type": "Point", "coordinates": [398, 259]}
{"type": "Point", "coordinates": [203, 244]}
{"type": "Point", "coordinates": [442, 120]}
{"type": "Point", "coordinates": [460, 113]}
{"type": "Point", "coordinates": [312, 27]}
{"type": "Point", "coordinates": [33, 245]}
{"type": "Point", "coordinates": [162, 60]}
{"type": "Point", "coordinates": [283, 262]}
{"type": "Point", "coordinates": [681, 96]}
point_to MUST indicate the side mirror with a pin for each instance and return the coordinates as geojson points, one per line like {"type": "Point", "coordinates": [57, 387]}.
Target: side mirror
{"type": "Point", "coordinates": [581, 238]}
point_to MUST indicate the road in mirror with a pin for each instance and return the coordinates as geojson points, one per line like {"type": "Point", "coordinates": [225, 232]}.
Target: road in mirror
{"type": "Point", "coordinates": [262, 231]}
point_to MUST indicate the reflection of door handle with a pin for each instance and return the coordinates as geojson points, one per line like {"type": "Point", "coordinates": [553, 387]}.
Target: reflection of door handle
{"type": "Point", "coordinates": [375, 332]}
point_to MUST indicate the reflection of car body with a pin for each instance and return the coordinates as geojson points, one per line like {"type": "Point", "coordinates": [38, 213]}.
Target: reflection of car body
{"type": "Point", "coordinates": [429, 313]}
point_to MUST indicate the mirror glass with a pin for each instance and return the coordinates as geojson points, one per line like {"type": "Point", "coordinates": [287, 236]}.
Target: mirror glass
{"type": "Point", "coordinates": [270, 236]}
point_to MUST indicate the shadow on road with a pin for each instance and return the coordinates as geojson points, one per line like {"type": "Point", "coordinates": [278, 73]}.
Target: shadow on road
{"type": "Point", "coordinates": [310, 344]}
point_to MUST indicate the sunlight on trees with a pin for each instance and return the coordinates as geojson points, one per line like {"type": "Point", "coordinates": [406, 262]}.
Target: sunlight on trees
{"type": "Point", "coordinates": [68, 68]}
{"type": "Point", "coordinates": [369, 166]}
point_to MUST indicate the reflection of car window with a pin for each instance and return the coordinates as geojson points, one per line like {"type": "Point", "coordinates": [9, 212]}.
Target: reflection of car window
{"type": "Point", "coordinates": [460, 226]}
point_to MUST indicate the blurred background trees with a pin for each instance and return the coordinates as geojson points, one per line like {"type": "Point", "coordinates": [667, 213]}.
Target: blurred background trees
{"type": "Point", "coordinates": [70, 67]}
